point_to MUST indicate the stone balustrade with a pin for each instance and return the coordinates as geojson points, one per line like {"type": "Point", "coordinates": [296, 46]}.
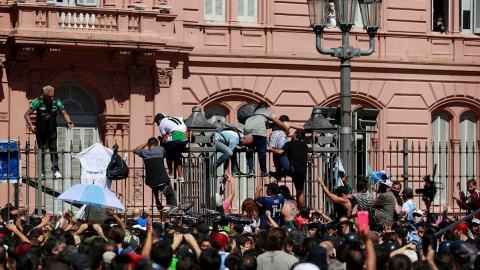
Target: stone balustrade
{"type": "Point", "coordinates": [87, 22]}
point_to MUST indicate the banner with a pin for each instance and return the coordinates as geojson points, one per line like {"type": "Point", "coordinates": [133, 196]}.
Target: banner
{"type": "Point", "coordinates": [4, 159]}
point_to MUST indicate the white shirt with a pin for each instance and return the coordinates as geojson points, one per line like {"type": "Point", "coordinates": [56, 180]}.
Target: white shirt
{"type": "Point", "coordinates": [169, 125]}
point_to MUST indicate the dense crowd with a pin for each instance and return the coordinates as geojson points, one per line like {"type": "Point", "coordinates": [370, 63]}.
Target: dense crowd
{"type": "Point", "coordinates": [285, 238]}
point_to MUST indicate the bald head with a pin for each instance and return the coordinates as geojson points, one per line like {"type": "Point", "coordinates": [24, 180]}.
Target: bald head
{"type": "Point", "coordinates": [246, 140]}
{"type": "Point", "coordinates": [137, 213]}
{"type": "Point", "coordinates": [329, 247]}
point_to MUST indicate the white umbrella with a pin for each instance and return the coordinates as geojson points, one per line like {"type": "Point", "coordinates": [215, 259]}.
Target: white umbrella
{"type": "Point", "coordinates": [91, 195]}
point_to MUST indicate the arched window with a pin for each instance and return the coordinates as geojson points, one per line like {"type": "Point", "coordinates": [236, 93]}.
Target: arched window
{"type": "Point", "coordinates": [440, 131]}
{"type": "Point", "coordinates": [468, 137]}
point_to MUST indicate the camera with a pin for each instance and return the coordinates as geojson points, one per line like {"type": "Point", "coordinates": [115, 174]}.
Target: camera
{"type": "Point", "coordinates": [429, 190]}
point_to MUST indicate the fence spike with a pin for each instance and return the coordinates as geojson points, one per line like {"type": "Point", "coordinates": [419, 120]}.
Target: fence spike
{"type": "Point", "coordinates": [80, 145]}
{"type": "Point", "coordinates": [466, 148]}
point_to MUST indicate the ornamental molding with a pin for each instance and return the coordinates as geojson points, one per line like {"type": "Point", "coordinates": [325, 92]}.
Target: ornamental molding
{"type": "Point", "coordinates": [142, 58]}
{"type": "Point", "coordinates": [3, 116]}
{"type": "Point", "coordinates": [118, 56]}
{"type": "Point", "coordinates": [77, 70]}
{"type": "Point", "coordinates": [162, 2]}
{"type": "Point", "coordinates": [24, 52]}
{"type": "Point", "coordinates": [47, 54]}
{"type": "Point", "coordinates": [163, 76]}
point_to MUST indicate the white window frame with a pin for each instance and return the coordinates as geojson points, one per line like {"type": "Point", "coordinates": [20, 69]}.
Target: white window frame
{"type": "Point", "coordinates": [245, 17]}
{"type": "Point", "coordinates": [215, 6]}
{"type": "Point", "coordinates": [464, 139]}
{"type": "Point", "coordinates": [474, 12]}
{"type": "Point", "coordinates": [440, 158]}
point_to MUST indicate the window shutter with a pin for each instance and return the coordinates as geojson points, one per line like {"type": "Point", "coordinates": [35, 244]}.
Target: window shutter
{"type": "Point", "coordinates": [440, 128]}
{"type": "Point", "coordinates": [87, 3]}
{"type": "Point", "coordinates": [476, 17]}
{"type": "Point", "coordinates": [214, 10]}
{"type": "Point", "coordinates": [358, 19]}
{"type": "Point", "coordinates": [247, 11]}
{"type": "Point", "coordinates": [468, 139]}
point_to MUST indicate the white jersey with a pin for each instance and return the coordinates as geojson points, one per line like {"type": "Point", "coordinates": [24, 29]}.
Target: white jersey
{"type": "Point", "coordinates": [174, 128]}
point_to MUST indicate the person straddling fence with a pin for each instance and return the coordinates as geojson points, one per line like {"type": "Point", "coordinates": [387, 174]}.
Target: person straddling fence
{"type": "Point", "coordinates": [256, 125]}
{"type": "Point", "coordinates": [225, 143]}
{"type": "Point", "coordinates": [294, 163]}
{"type": "Point", "coordinates": [175, 135]}
{"type": "Point", "coordinates": [156, 176]}
{"type": "Point", "coordinates": [45, 129]}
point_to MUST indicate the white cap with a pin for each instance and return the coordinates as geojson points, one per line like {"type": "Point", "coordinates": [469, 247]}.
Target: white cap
{"type": "Point", "coordinates": [412, 255]}
{"type": "Point", "coordinates": [387, 182]}
{"type": "Point", "coordinates": [418, 212]}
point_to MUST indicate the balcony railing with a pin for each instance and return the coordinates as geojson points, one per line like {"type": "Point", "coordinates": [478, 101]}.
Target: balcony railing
{"type": "Point", "coordinates": [87, 22]}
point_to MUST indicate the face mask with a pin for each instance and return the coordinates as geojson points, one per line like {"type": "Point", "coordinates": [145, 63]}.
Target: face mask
{"type": "Point", "coordinates": [417, 219]}
{"type": "Point", "coordinates": [395, 192]}
{"type": "Point", "coordinates": [332, 8]}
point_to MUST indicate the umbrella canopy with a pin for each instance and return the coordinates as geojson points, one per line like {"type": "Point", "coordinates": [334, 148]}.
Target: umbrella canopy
{"type": "Point", "coordinates": [91, 195]}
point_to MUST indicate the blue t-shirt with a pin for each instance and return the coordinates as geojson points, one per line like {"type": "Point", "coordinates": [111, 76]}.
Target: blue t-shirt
{"type": "Point", "coordinates": [274, 204]}
{"type": "Point", "coordinates": [142, 222]}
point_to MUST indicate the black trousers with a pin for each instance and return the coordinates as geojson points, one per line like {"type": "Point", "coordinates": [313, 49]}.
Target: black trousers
{"type": "Point", "coordinates": [168, 192]}
{"type": "Point", "coordinates": [48, 139]}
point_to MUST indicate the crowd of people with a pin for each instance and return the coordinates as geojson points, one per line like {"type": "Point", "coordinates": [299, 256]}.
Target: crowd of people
{"type": "Point", "coordinates": [283, 235]}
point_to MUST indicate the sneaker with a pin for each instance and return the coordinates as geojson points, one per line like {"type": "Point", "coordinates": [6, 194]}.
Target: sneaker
{"type": "Point", "coordinates": [171, 176]}
{"type": "Point", "coordinates": [57, 175]}
{"type": "Point", "coordinates": [251, 173]}
{"type": "Point", "coordinates": [275, 175]}
{"type": "Point", "coordinates": [160, 208]}
{"type": "Point", "coordinates": [264, 174]}
{"type": "Point", "coordinates": [239, 173]}
{"type": "Point", "coordinates": [180, 180]}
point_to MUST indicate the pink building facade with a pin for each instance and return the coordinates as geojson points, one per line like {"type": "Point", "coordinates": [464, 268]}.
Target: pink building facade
{"type": "Point", "coordinates": [115, 64]}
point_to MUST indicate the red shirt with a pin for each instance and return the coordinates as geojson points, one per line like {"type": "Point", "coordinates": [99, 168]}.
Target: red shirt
{"type": "Point", "coordinates": [470, 203]}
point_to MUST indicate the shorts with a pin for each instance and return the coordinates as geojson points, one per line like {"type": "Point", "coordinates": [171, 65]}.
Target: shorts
{"type": "Point", "coordinates": [175, 149]}
{"type": "Point", "coordinates": [277, 139]}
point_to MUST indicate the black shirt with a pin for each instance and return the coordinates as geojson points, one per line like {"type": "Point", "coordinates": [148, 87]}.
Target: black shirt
{"type": "Point", "coordinates": [297, 154]}
{"type": "Point", "coordinates": [154, 166]}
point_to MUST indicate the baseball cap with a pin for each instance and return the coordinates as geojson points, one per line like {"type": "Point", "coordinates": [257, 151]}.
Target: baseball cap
{"type": "Point", "coordinates": [203, 228]}
{"type": "Point", "coordinates": [408, 191]}
{"type": "Point", "coordinates": [158, 117]}
{"type": "Point", "coordinates": [462, 227]}
{"type": "Point", "coordinates": [387, 183]}
{"type": "Point", "coordinates": [108, 256]}
{"type": "Point", "coordinates": [418, 212]}
{"type": "Point", "coordinates": [221, 239]}
{"type": "Point", "coordinates": [184, 252]}
{"type": "Point", "coordinates": [273, 187]}
{"type": "Point", "coordinates": [411, 254]}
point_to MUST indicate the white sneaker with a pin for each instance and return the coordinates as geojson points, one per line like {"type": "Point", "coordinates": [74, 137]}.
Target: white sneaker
{"type": "Point", "coordinates": [171, 176]}
{"type": "Point", "coordinates": [57, 175]}
{"type": "Point", "coordinates": [180, 180]}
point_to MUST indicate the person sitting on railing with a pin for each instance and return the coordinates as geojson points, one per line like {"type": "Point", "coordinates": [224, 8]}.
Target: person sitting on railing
{"type": "Point", "coordinates": [175, 136]}
{"type": "Point", "coordinates": [156, 176]}
{"type": "Point", "coordinates": [256, 125]}
{"type": "Point", "coordinates": [225, 143]}
{"type": "Point", "coordinates": [472, 202]}
{"type": "Point", "coordinates": [45, 128]}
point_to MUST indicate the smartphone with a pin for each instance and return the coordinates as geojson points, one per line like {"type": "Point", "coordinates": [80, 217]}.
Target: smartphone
{"type": "Point", "coordinates": [362, 218]}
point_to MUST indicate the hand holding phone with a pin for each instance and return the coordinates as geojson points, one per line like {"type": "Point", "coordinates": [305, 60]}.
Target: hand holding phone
{"type": "Point", "coordinates": [362, 218]}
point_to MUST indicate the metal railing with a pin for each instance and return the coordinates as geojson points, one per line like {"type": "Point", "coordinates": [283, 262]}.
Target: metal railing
{"type": "Point", "coordinates": [406, 162]}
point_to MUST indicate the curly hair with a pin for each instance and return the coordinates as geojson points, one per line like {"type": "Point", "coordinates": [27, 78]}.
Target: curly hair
{"type": "Point", "coordinates": [250, 208]}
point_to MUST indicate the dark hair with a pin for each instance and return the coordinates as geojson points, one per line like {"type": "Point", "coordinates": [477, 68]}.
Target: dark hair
{"type": "Point", "coordinates": [399, 262]}
{"type": "Point", "coordinates": [186, 263]}
{"type": "Point", "coordinates": [52, 243]}
{"type": "Point", "coordinates": [361, 184]}
{"type": "Point", "coordinates": [286, 192]}
{"type": "Point", "coordinates": [238, 228]}
{"type": "Point", "coordinates": [162, 253]}
{"type": "Point", "coordinates": [304, 211]}
{"type": "Point", "coordinates": [3, 255]}
{"type": "Point", "coordinates": [152, 141]}
{"type": "Point", "coordinates": [97, 248]}
{"type": "Point", "coordinates": [117, 234]}
{"type": "Point", "coordinates": [342, 190]}
{"type": "Point", "coordinates": [248, 263]}
{"type": "Point", "coordinates": [355, 260]}
{"type": "Point", "coordinates": [276, 239]}
{"type": "Point", "coordinates": [209, 259]}
{"type": "Point", "coordinates": [300, 134]}
{"type": "Point", "coordinates": [284, 118]}
{"type": "Point", "coordinates": [29, 261]}
{"type": "Point", "coordinates": [232, 261]}
{"type": "Point", "coordinates": [397, 183]}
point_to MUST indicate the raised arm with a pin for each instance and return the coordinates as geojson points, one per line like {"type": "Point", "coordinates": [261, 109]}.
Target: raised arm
{"type": "Point", "coordinates": [12, 228]}
{"type": "Point", "coordinates": [232, 190]}
{"type": "Point", "coordinates": [333, 197]}
{"type": "Point", "coordinates": [141, 146]}
{"type": "Point", "coordinates": [117, 219]}
{"type": "Point", "coordinates": [258, 191]}
{"type": "Point", "coordinates": [147, 246]}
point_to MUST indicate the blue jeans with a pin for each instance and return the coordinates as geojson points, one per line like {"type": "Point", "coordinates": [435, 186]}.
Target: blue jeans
{"type": "Point", "coordinates": [286, 165]}
{"type": "Point", "coordinates": [260, 146]}
{"type": "Point", "coordinates": [226, 153]}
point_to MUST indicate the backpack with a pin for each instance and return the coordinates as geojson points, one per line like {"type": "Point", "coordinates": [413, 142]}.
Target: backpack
{"type": "Point", "coordinates": [117, 168]}
{"type": "Point", "coordinates": [224, 126]}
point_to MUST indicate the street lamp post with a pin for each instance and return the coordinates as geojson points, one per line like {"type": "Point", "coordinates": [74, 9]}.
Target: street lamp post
{"type": "Point", "coordinates": [345, 17]}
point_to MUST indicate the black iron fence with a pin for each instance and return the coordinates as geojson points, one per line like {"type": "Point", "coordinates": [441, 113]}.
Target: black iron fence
{"type": "Point", "coordinates": [405, 161]}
